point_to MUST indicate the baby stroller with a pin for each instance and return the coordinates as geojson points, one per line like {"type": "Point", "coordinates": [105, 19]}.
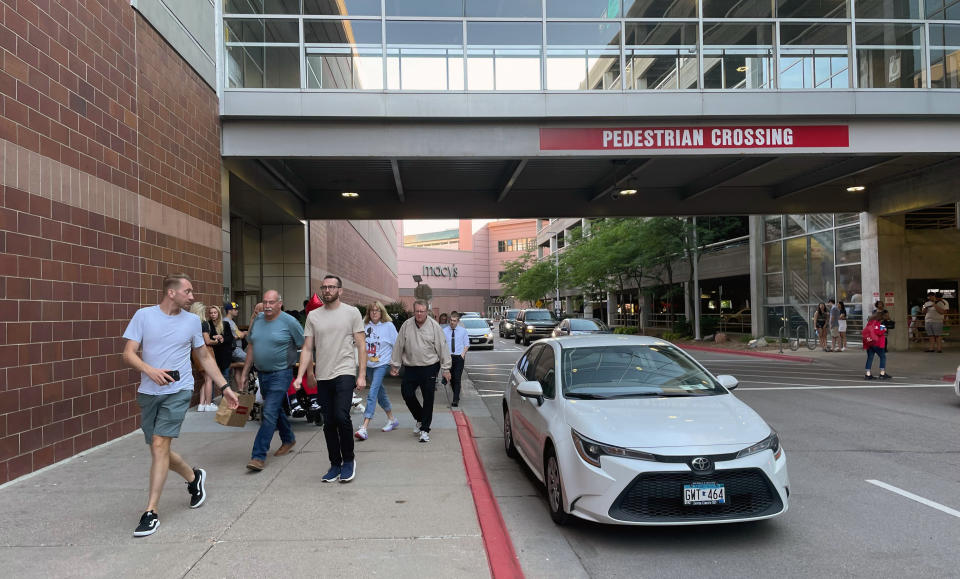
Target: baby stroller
{"type": "Point", "coordinates": [303, 402]}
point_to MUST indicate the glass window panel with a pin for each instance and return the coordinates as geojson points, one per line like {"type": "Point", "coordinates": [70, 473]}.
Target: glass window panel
{"type": "Point", "coordinates": [934, 8]}
{"type": "Point", "coordinates": [504, 34]}
{"type": "Point", "coordinates": [944, 68]}
{"type": "Point", "coordinates": [503, 69]}
{"type": "Point", "coordinates": [772, 227]}
{"type": "Point", "coordinates": [819, 221]}
{"type": "Point", "coordinates": [582, 70]}
{"type": "Point", "coordinates": [425, 68]}
{"type": "Point", "coordinates": [888, 9]}
{"type": "Point", "coordinates": [890, 34]}
{"type": "Point", "coordinates": [660, 8]}
{"type": "Point", "coordinates": [814, 34]}
{"type": "Point", "coordinates": [263, 67]}
{"type": "Point", "coordinates": [945, 35]}
{"type": "Point", "coordinates": [737, 69]}
{"type": "Point", "coordinates": [737, 9]}
{"type": "Point", "coordinates": [342, 31]}
{"type": "Point", "coordinates": [260, 30]}
{"type": "Point", "coordinates": [847, 219]}
{"type": "Point", "coordinates": [423, 33]}
{"type": "Point", "coordinates": [817, 9]}
{"type": "Point", "coordinates": [796, 283]}
{"type": "Point", "coordinates": [795, 225]}
{"type": "Point", "coordinates": [772, 257]}
{"type": "Point", "coordinates": [848, 290]}
{"type": "Point", "coordinates": [661, 69]}
{"type": "Point", "coordinates": [821, 272]}
{"type": "Point", "coordinates": [452, 8]}
{"type": "Point", "coordinates": [848, 244]}
{"type": "Point", "coordinates": [880, 68]}
{"type": "Point", "coordinates": [583, 33]}
{"type": "Point", "coordinates": [504, 8]}
{"type": "Point", "coordinates": [342, 7]}
{"type": "Point", "coordinates": [261, 7]}
{"type": "Point", "coordinates": [814, 68]}
{"type": "Point", "coordinates": [723, 34]}
{"type": "Point", "coordinates": [660, 34]}
{"type": "Point", "coordinates": [774, 288]}
{"type": "Point", "coordinates": [583, 9]}
{"type": "Point", "coordinates": [345, 68]}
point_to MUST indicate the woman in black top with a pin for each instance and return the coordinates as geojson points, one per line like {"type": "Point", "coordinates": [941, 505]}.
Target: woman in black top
{"type": "Point", "coordinates": [820, 318]}
{"type": "Point", "coordinates": [219, 337]}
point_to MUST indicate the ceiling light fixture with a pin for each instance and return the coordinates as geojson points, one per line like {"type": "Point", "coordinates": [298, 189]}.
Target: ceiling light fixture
{"type": "Point", "coordinates": [628, 192]}
{"type": "Point", "coordinates": [856, 188]}
{"type": "Point", "coordinates": [349, 194]}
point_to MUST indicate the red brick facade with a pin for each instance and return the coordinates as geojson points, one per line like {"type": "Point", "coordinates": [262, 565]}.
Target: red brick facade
{"type": "Point", "coordinates": [110, 179]}
{"type": "Point", "coordinates": [337, 247]}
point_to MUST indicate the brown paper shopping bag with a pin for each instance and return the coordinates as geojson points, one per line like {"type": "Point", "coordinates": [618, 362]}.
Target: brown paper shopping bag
{"type": "Point", "coordinates": [239, 415]}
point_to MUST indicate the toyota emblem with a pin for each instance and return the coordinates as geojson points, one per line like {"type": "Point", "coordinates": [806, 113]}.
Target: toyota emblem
{"type": "Point", "coordinates": [700, 463]}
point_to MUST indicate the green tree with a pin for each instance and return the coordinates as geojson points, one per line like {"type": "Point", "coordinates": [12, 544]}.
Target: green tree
{"type": "Point", "coordinates": [538, 281]}
{"type": "Point", "coordinates": [513, 270]}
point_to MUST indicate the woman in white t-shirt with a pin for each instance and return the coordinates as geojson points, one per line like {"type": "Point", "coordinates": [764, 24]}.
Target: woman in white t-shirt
{"type": "Point", "coordinates": [842, 326]}
{"type": "Point", "coordinates": [381, 336]}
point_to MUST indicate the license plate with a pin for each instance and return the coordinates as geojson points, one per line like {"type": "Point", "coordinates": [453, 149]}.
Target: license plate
{"type": "Point", "coordinates": [704, 494]}
{"type": "Point", "coordinates": [476, 340]}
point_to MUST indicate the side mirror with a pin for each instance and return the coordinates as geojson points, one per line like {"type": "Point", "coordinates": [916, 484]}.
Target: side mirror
{"type": "Point", "coordinates": [531, 389]}
{"type": "Point", "coordinates": [728, 381]}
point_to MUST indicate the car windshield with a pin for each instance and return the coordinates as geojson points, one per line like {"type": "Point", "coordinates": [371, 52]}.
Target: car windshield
{"type": "Point", "coordinates": [628, 371]}
{"type": "Point", "coordinates": [511, 314]}
{"type": "Point", "coordinates": [474, 323]}
{"type": "Point", "coordinates": [542, 316]}
{"type": "Point", "coordinates": [581, 325]}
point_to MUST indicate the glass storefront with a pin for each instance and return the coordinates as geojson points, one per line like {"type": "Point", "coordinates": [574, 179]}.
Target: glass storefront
{"type": "Point", "coordinates": [809, 259]}
{"type": "Point", "coordinates": [595, 45]}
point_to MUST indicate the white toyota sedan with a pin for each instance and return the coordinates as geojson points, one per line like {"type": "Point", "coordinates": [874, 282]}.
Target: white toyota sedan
{"type": "Point", "coordinates": [631, 430]}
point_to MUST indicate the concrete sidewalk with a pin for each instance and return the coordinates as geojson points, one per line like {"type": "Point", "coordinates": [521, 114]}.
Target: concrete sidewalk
{"type": "Point", "coordinates": [408, 513]}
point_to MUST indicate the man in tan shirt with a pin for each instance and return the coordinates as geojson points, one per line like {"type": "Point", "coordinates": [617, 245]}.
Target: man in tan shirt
{"type": "Point", "coordinates": [336, 331]}
{"type": "Point", "coordinates": [422, 350]}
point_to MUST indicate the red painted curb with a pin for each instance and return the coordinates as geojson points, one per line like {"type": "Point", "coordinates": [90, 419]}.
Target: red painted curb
{"type": "Point", "coordinates": [949, 378]}
{"type": "Point", "coordinates": [783, 357]}
{"type": "Point", "coordinates": [501, 555]}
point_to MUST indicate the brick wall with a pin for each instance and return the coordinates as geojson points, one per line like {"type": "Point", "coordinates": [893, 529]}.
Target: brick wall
{"type": "Point", "coordinates": [336, 247]}
{"type": "Point", "coordinates": [109, 166]}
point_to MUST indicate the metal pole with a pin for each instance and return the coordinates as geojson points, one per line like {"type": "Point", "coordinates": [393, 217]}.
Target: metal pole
{"type": "Point", "coordinates": [556, 264]}
{"type": "Point", "coordinates": [696, 284]}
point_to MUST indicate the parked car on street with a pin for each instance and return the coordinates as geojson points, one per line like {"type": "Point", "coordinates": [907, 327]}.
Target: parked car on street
{"type": "Point", "coordinates": [533, 324]}
{"type": "Point", "coordinates": [579, 326]}
{"type": "Point", "coordinates": [481, 336]}
{"type": "Point", "coordinates": [507, 323]}
{"type": "Point", "coordinates": [738, 317]}
{"type": "Point", "coordinates": [469, 314]}
{"type": "Point", "coordinates": [631, 430]}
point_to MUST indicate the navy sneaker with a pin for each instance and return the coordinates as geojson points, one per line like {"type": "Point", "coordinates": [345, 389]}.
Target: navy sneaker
{"type": "Point", "coordinates": [333, 474]}
{"type": "Point", "coordinates": [885, 376]}
{"type": "Point", "coordinates": [148, 524]}
{"type": "Point", "coordinates": [348, 471]}
{"type": "Point", "coordinates": [196, 488]}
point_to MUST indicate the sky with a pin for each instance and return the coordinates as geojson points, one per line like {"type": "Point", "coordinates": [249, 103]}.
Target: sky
{"type": "Point", "coordinates": [415, 226]}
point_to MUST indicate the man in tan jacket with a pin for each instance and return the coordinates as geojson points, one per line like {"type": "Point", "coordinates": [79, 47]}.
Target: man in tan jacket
{"type": "Point", "coordinates": [422, 350]}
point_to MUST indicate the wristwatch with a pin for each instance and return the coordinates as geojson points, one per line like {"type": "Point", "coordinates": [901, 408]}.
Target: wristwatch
{"type": "Point", "coordinates": [224, 387]}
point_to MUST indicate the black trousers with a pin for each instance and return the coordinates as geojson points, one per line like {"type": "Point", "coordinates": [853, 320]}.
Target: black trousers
{"type": "Point", "coordinates": [336, 396]}
{"type": "Point", "coordinates": [424, 378]}
{"type": "Point", "coordinates": [456, 372]}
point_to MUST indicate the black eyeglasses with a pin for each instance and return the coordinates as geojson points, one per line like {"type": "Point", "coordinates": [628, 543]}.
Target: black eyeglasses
{"type": "Point", "coordinates": [329, 287]}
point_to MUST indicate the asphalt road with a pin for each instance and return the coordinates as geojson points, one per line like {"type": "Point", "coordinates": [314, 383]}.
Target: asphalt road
{"type": "Point", "coordinates": [839, 434]}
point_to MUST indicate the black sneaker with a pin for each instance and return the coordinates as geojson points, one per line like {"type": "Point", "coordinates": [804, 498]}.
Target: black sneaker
{"type": "Point", "coordinates": [867, 377]}
{"type": "Point", "coordinates": [885, 376]}
{"type": "Point", "coordinates": [197, 493]}
{"type": "Point", "coordinates": [148, 524]}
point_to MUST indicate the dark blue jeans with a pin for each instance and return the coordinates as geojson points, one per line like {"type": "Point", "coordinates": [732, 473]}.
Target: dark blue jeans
{"type": "Point", "coordinates": [273, 388]}
{"type": "Point", "coordinates": [879, 352]}
{"type": "Point", "coordinates": [336, 396]}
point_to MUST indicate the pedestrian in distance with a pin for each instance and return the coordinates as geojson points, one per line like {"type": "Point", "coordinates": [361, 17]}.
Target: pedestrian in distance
{"type": "Point", "coordinates": [422, 350]}
{"type": "Point", "coordinates": [219, 337]}
{"type": "Point", "coordinates": [334, 342]}
{"type": "Point", "coordinates": [380, 335]}
{"type": "Point", "coordinates": [915, 310]}
{"type": "Point", "coordinates": [834, 323]}
{"type": "Point", "coordinates": [167, 337]}
{"type": "Point", "coordinates": [456, 336]}
{"type": "Point", "coordinates": [444, 319]}
{"type": "Point", "coordinates": [206, 388]}
{"type": "Point", "coordinates": [272, 342]}
{"type": "Point", "coordinates": [934, 310]}
{"type": "Point", "coordinates": [230, 312]}
{"type": "Point", "coordinates": [842, 326]}
{"type": "Point", "coordinates": [875, 343]}
{"type": "Point", "coordinates": [820, 317]}
{"type": "Point", "coordinates": [878, 308]}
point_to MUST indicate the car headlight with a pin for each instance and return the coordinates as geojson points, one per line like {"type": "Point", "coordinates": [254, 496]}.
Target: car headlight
{"type": "Point", "coordinates": [529, 329]}
{"type": "Point", "coordinates": [508, 324]}
{"type": "Point", "coordinates": [591, 450]}
{"type": "Point", "coordinates": [771, 442]}
{"type": "Point", "coordinates": [488, 335]}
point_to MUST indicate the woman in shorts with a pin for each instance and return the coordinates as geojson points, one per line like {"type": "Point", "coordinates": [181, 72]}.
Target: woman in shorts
{"type": "Point", "coordinates": [842, 328]}
{"type": "Point", "coordinates": [820, 323]}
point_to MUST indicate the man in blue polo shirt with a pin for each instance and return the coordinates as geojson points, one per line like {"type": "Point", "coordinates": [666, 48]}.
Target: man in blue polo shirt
{"type": "Point", "coordinates": [272, 343]}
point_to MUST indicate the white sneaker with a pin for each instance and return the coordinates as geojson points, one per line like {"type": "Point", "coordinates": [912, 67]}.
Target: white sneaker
{"type": "Point", "coordinates": [416, 430]}
{"type": "Point", "coordinates": [201, 407]}
{"type": "Point", "coordinates": [424, 436]}
{"type": "Point", "coordinates": [212, 407]}
{"type": "Point", "coordinates": [391, 424]}
{"type": "Point", "coordinates": [843, 349]}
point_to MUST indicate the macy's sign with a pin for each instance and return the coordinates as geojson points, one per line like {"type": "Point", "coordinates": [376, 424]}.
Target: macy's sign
{"type": "Point", "coordinates": [448, 271]}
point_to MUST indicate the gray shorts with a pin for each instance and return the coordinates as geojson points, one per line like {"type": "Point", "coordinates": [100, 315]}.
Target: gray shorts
{"type": "Point", "coordinates": [934, 328]}
{"type": "Point", "coordinates": [163, 414]}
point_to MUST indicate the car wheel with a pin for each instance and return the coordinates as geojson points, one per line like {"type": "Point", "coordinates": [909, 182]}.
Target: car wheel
{"type": "Point", "coordinates": [555, 490]}
{"type": "Point", "coordinates": [508, 445]}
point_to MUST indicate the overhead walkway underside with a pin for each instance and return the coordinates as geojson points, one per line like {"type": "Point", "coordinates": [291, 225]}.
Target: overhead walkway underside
{"type": "Point", "coordinates": [443, 169]}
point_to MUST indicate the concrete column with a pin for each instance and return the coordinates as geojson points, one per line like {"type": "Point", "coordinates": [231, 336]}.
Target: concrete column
{"type": "Point", "coordinates": [568, 304]}
{"type": "Point", "coordinates": [553, 245]}
{"type": "Point", "coordinates": [869, 263]}
{"type": "Point", "coordinates": [611, 307]}
{"type": "Point", "coordinates": [587, 307]}
{"type": "Point", "coordinates": [225, 233]}
{"type": "Point", "coordinates": [757, 286]}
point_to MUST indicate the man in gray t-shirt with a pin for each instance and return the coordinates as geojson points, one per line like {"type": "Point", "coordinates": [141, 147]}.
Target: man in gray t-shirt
{"type": "Point", "coordinates": [167, 336]}
{"type": "Point", "coordinates": [834, 325]}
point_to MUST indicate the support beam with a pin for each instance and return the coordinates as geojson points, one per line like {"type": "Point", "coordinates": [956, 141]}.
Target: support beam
{"type": "Point", "coordinates": [395, 165]}
{"type": "Point", "coordinates": [632, 169]}
{"type": "Point", "coordinates": [840, 170]}
{"type": "Point", "coordinates": [718, 178]}
{"type": "Point", "coordinates": [513, 179]}
{"type": "Point", "coordinates": [285, 177]}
